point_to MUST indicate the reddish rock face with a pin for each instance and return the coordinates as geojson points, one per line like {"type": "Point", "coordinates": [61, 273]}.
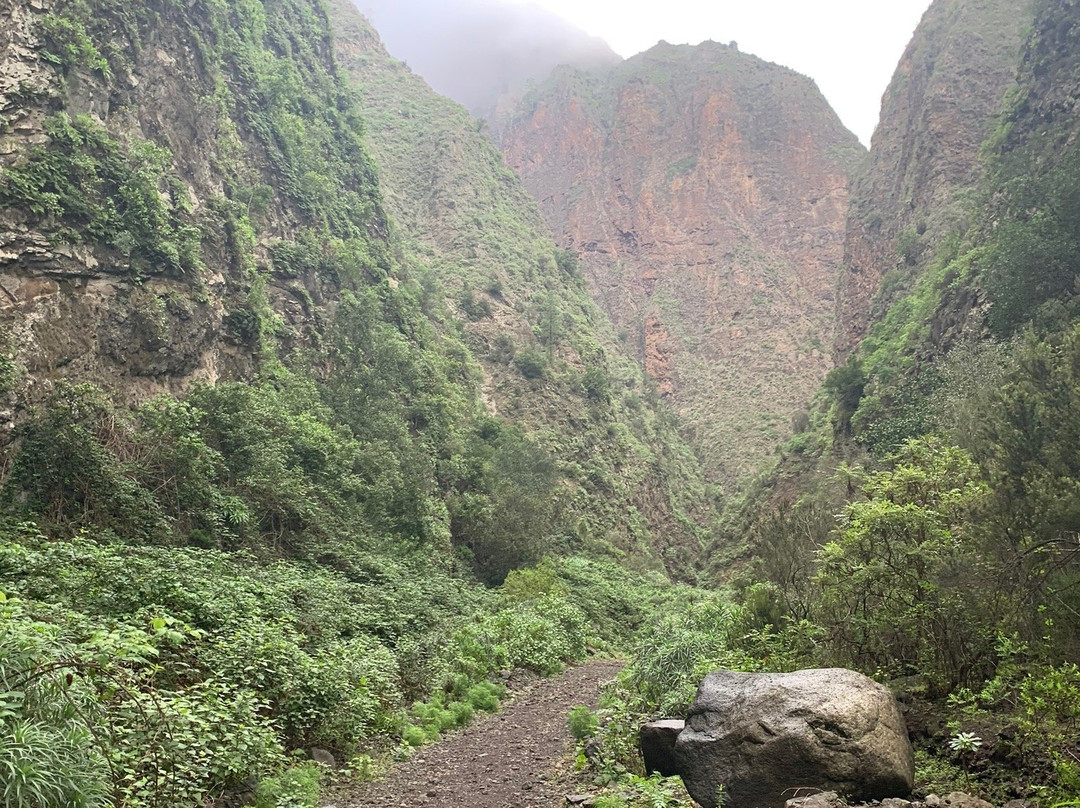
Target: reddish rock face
{"type": "Point", "coordinates": [706, 191]}
{"type": "Point", "coordinates": [941, 105]}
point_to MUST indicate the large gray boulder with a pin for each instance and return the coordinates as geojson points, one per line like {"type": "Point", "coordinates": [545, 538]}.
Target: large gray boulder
{"type": "Point", "coordinates": [768, 737]}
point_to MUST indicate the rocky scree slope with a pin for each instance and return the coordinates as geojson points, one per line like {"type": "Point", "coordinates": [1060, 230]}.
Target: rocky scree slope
{"type": "Point", "coordinates": [707, 191]}
{"type": "Point", "coordinates": [466, 219]}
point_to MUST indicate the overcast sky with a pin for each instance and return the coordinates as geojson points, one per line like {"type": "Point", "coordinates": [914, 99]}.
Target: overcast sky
{"type": "Point", "coordinates": [849, 47]}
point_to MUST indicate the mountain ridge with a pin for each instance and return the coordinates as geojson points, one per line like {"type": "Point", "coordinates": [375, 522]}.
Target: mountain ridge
{"type": "Point", "coordinates": [701, 180]}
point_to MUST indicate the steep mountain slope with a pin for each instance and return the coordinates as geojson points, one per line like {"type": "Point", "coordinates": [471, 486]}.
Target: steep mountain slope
{"type": "Point", "coordinates": [134, 174]}
{"type": "Point", "coordinates": [707, 191]}
{"type": "Point", "coordinates": [465, 218]}
{"type": "Point", "coordinates": [955, 424]}
{"type": "Point", "coordinates": [924, 160]}
{"type": "Point", "coordinates": [483, 53]}
{"type": "Point", "coordinates": [143, 261]}
{"type": "Point", "coordinates": [997, 259]}
{"type": "Point", "coordinates": [250, 488]}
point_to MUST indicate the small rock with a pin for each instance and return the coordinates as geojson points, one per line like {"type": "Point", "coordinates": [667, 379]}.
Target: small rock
{"type": "Point", "coordinates": [592, 750]}
{"type": "Point", "coordinates": [323, 757]}
{"type": "Point", "coordinates": [959, 799]}
{"type": "Point", "coordinates": [657, 742]}
{"type": "Point", "coordinates": [895, 802]}
{"type": "Point", "coordinates": [579, 799]}
{"type": "Point", "coordinates": [932, 801]}
{"type": "Point", "coordinates": [824, 799]}
{"type": "Point", "coordinates": [1019, 804]}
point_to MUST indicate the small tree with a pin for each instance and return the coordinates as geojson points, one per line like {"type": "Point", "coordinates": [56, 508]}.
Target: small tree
{"type": "Point", "coordinates": [901, 583]}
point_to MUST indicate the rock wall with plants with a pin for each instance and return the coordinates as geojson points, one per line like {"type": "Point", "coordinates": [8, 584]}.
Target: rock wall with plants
{"type": "Point", "coordinates": [914, 193]}
{"type": "Point", "coordinates": [921, 528]}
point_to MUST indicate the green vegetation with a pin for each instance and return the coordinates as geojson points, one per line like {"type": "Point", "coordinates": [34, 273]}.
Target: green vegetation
{"type": "Point", "coordinates": [114, 650]}
{"type": "Point", "coordinates": [583, 723]}
{"type": "Point", "coordinates": [928, 537]}
{"type": "Point", "coordinates": [629, 489]}
{"type": "Point", "coordinates": [107, 191]}
{"type": "Point", "coordinates": [198, 589]}
{"type": "Point", "coordinates": [346, 549]}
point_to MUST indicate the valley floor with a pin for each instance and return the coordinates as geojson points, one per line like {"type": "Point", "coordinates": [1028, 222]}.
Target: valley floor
{"type": "Point", "coordinates": [511, 758]}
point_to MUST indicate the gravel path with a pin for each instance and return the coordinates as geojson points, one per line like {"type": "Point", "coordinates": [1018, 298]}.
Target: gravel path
{"type": "Point", "coordinates": [508, 760]}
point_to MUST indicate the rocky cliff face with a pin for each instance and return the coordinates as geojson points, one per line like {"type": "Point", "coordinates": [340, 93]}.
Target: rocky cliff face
{"type": "Point", "coordinates": [707, 191]}
{"type": "Point", "coordinates": [1043, 111]}
{"type": "Point", "coordinates": [140, 150]}
{"type": "Point", "coordinates": [941, 105]}
{"type": "Point", "coordinates": [186, 195]}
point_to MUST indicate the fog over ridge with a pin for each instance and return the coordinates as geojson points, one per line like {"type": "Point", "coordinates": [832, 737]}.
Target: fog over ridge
{"type": "Point", "coordinates": [480, 51]}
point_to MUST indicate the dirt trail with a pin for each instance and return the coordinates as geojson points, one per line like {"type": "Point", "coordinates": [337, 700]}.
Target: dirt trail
{"type": "Point", "coordinates": [506, 760]}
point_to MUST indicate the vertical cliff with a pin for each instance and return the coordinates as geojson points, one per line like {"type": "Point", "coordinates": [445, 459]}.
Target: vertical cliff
{"type": "Point", "coordinates": [706, 190]}
{"type": "Point", "coordinates": [162, 174]}
{"type": "Point", "coordinates": [915, 190]}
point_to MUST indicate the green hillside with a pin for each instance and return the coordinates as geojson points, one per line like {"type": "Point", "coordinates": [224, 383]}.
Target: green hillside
{"type": "Point", "coordinates": [310, 436]}
{"type": "Point", "coordinates": [550, 359]}
{"type": "Point", "coordinates": [269, 432]}
{"type": "Point", "coordinates": [923, 522]}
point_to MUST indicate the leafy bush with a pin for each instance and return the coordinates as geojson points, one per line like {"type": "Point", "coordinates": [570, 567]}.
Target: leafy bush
{"type": "Point", "coordinates": [96, 702]}
{"type": "Point", "coordinates": [114, 193]}
{"type": "Point", "coordinates": [583, 723]}
{"type": "Point", "coordinates": [667, 663]}
{"type": "Point", "coordinates": [295, 787]}
{"type": "Point", "coordinates": [338, 696]}
{"type": "Point", "coordinates": [414, 735]}
{"type": "Point", "coordinates": [892, 596]}
{"type": "Point", "coordinates": [485, 696]}
{"type": "Point", "coordinates": [530, 363]}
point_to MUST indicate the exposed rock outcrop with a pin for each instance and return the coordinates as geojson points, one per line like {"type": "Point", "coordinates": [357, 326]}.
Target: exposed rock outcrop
{"type": "Point", "coordinates": [706, 190]}
{"type": "Point", "coordinates": [121, 263]}
{"type": "Point", "coordinates": [765, 736]}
